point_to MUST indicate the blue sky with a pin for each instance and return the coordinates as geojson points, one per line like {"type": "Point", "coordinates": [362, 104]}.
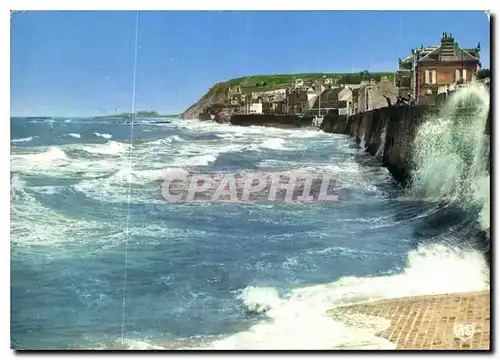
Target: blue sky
{"type": "Point", "coordinates": [81, 63]}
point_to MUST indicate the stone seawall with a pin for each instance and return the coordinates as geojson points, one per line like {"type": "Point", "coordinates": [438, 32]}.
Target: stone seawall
{"type": "Point", "coordinates": [271, 120]}
{"type": "Point", "coordinates": [386, 133]}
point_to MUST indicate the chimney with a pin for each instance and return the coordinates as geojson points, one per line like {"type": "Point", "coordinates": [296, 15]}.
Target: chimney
{"type": "Point", "coordinates": [447, 45]}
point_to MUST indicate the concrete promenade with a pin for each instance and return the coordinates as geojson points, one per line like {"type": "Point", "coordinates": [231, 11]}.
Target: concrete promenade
{"type": "Point", "coordinates": [429, 322]}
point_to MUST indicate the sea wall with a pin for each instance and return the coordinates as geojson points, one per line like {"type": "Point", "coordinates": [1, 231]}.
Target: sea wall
{"type": "Point", "coordinates": [271, 120]}
{"type": "Point", "coordinates": [386, 133]}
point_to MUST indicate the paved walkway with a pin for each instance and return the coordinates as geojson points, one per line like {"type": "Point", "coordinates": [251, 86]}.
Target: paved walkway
{"type": "Point", "coordinates": [432, 322]}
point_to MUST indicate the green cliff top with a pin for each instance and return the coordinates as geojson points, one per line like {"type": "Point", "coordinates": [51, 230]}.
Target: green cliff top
{"type": "Point", "coordinates": [271, 82]}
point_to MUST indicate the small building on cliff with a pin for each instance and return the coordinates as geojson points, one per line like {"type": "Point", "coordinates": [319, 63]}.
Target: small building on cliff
{"type": "Point", "coordinates": [426, 69]}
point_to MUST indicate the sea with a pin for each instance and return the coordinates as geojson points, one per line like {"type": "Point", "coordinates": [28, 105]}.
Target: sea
{"type": "Point", "coordinates": [100, 260]}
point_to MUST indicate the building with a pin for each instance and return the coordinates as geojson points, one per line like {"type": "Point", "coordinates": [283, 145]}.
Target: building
{"type": "Point", "coordinates": [427, 69]}
{"type": "Point", "coordinates": [278, 103]}
{"type": "Point", "coordinates": [313, 92]}
{"type": "Point", "coordinates": [371, 95]}
{"type": "Point", "coordinates": [335, 100]}
{"type": "Point", "coordinates": [297, 98]}
{"type": "Point", "coordinates": [256, 108]}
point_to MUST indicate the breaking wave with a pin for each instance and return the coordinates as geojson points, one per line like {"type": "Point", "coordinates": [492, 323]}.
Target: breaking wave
{"type": "Point", "coordinates": [23, 139]}
{"type": "Point", "coordinates": [313, 317]}
{"type": "Point", "coordinates": [109, 148]}
{"type": "Point", "coordinates": [104, 136]}
{"type": "Point", "coordinates": [451, 153]}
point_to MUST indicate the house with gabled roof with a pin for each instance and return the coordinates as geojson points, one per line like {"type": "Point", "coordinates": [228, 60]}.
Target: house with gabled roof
{"type": "Point", "coordinates": [427, 69]}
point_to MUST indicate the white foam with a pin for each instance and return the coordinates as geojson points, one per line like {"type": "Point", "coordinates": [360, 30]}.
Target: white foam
{"type": "Point", "coordinates": [300, 321]}
{"type": "Point", "coordinates": [273, 143]}
{"type": "Point", "coordinates": [75, 135]}
{"type": "Point", "coordinates": [54, 162]}
{"type": "Point", "coordinates": [449, 152]}
{"type": "Point", "coordinates": [47, 190]}
{"type": "Point", "coordinates": [201, 154]}
{"type": "Point", "coordinates": [115, 187]}
{"type": "Point", "coordinates": [50, 155]}
{"type": "Point", "coordinates": [105, 136]}
{"type": "Point", "coordinates": [201, 160]}
{"type": "Point", "coordinates": [176, 138]}
{"type": "Point", "coordinates": [141, 345]}
{"type": "Point", "coordinates": [109, 148]}
{"type": "Point", "coordinates": [16, 183]}
{"type": "Point", "coordinates": [228, 131]}
{"type": "Point", "coordinates": [260, 299]}
{"type": "Point", "coordinates": [32, 224]}
{"type": "Point", "coordinates": [23, 139]}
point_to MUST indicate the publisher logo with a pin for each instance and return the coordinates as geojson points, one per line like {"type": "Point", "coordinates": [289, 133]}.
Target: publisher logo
{"type": "Point", "coordinates": [464, 332]}
{"type": "Point", "coordinates": [180, 186]}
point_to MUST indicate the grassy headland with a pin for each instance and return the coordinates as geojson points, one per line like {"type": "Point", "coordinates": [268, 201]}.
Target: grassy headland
{"type": "Point", "coordinates": [271, 82]}
{"type": "Point", "coordinates": [261, 83]}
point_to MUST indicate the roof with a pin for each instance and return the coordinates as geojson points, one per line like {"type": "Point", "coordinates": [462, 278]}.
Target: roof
{"type": "Point", "coordinates": [449, 51]}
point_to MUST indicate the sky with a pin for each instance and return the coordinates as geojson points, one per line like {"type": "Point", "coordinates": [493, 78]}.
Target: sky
{"type": "Point", "coordinates": [81, 63]}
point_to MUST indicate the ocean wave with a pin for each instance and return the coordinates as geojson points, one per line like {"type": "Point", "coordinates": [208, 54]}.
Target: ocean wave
{"type": "Point", "coordinates": [115, 188]}
{"type": "Point", "coordinates": [167, 140]}
{"type": "Point", "coordinates": [50, 155]}
{"type": "Point", "coordinates": [300, 320]}
{"type": "Point", "coordinates": [23, 139]}
{"type": "Point", "coordinates": [450, 153]}
{"type": "Point", "coordinates": [273, 143]}
{"type": "Point", "coordinates": [104, 136]}
{"type": "Point", "coordinates": [231, 131]}
{"type": "Point", "coordinates": [75, 135]}
{"type": "Point", "coordinates": [33, 224]}
{"type": "Point", "coordinates": [16, 183]}
{"type": "Point", "coordinates": [55, 162]}
{"type": "Point", "coordinates": [109, 148]}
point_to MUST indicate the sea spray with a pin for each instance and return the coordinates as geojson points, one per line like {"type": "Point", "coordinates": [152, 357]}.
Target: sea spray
{"type": "Point", "coordinates": [450, 153]}
{"type": "Point", "coordinates": [362, 143]}
{"type": "Point", "coordinates": [383, 136]}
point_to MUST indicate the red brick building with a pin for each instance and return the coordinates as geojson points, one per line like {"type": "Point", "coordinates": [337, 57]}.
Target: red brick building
{"type": "Point", "coordinates": [426, 69]}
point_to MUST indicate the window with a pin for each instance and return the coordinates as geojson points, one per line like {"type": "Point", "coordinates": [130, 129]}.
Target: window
{"type": "Point", "coordinates": [430, 77]}
{"type": "Point", "coordinates": [464, 75]}
{"type": "Point", "coordinates": [457, 75]}
{"type": "Point", "coordinates": [434, 77]}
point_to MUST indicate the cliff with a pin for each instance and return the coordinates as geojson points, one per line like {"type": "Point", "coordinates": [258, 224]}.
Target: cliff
{"type": "Point", "coordinates": [216, 95]}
